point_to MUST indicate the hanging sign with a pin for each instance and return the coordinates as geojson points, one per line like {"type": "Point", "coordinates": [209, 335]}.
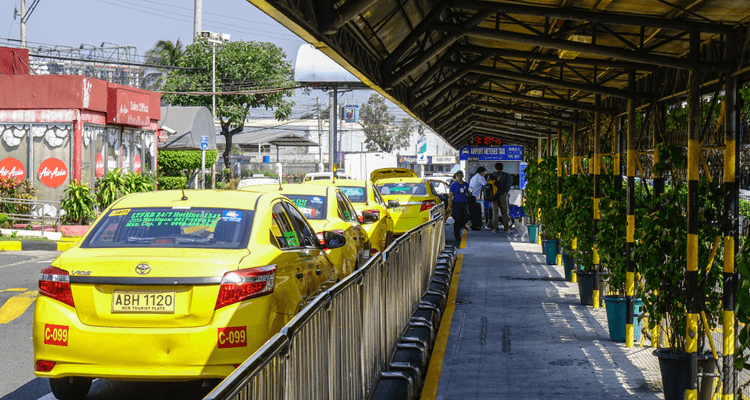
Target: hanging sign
{"type": "Point", "coordinates": [127, 107]}
{"type": "Point", "coordinates": [99, 165]}
{"type": "Point", "coordinates": [351, 113]}
{"type": "Point", "coordinates": [422, 150]}
{"type": "Point", "coordinates": [137, 163]}
{"type": "Point", "coordinates": [52, 172]}
{"type": "Point", "coordinates": [504, 153]}
{"type": "Point", "coordinates": [10, 168]}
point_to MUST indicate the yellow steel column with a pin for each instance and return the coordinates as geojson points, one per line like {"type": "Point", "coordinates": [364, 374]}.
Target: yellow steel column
{"type": "Point", "coordinates": [695, 149]}
{"type": "Point", "coordinates": [560, 166]}
{"type": "Point", "coordinates": [597, 195]}
{"type": "Point", "coordinates": [731, 202]}
{"type": "Point", "coordinates": [630, 232]}
{"type": "Point", "coordinates": [659, 127]}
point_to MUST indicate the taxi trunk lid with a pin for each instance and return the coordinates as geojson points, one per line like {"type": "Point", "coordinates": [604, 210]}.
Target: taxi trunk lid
{"type": "Point", "coordinates": [162, 287]}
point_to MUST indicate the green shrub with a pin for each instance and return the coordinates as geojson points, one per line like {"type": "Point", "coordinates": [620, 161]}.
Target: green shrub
{"type": "Point", "coordinates": [110, 188]}
{"type": "Point", "coordinates": [171, 182]}
{"type": "Point", "coordinates": [11, 189]}
{"type": "Point", "coordinates": [137, 183]}
{"type": "Point", "coordinates": [78, 203]}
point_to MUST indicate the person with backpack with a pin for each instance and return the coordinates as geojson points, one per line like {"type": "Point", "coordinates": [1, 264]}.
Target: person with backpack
{"type": "Point", "coordinates": [459, 194]}
{"type": "Point", "coordinates": [498, 186]}
{"type": "Point", "coordinates": [476, 186]}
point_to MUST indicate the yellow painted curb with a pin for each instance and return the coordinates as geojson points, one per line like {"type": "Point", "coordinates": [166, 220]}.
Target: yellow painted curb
{"type": "Point", "coordinates": [429, 391]}
{"type": "Point", "coordinates": [463, 239]}
{"type": "Point", "coordinates": [62, 246]}
{"type": "Point", "coordinates": [10, 246]}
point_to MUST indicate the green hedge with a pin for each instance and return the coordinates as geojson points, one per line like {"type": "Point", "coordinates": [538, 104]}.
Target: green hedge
{"type": "Point", "coordinates": [171, 182]}
{"type": "Point", "coordinates": [172, 162]}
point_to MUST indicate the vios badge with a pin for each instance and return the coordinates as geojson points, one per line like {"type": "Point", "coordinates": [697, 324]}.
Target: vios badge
{"type": "Point", "coordinates": [142, 269]}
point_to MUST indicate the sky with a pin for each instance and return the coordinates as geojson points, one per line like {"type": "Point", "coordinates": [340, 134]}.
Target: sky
{"type": "Point", "coordinates": [141, 23]}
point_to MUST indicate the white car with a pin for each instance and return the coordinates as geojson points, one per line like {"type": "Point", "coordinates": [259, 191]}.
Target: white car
{"type": "Point", "coordinates": [313, 176]}
{"type": "Point", "coordinates": [257, 179]}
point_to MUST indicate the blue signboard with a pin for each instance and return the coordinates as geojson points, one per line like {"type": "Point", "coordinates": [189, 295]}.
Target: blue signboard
{"type": "Point", "coordinates": [502, 153]}
{"type": "Point", "coordinates": [351, 114]}
{"type": "Point", "coordinates": [522, 175]}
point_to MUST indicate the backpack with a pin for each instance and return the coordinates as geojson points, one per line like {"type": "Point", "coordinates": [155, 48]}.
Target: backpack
{"type": "Point", "coordinates": [490, 188]}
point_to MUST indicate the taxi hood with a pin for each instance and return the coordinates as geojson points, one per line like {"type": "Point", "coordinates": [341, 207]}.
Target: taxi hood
{"type": "Point", "coordinates": [383, 173]}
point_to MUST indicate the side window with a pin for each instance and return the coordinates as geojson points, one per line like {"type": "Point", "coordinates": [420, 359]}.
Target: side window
{"type": "Point", "coordinates": [344, 211]}
{"type": "Point", "coordinates": [303, 228]}
{"type": "Point", "coordinates": [378, 198]}
{"type": "Point", "coordinates": [282, 229]}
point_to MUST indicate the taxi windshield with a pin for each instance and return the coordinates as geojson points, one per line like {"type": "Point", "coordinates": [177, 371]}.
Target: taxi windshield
{"type": "Point", "coordinates": [215, 228]}
{"type": "Point", "coordinates": [312, 207]}
{"type": "Point", "coordinates": [356, 194]}
{"type": "Point", "coordinates": [403, 188]}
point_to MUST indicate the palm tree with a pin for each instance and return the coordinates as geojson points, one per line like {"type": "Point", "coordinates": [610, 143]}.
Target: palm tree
{"type": "Point", "coordinates": [164, 53]}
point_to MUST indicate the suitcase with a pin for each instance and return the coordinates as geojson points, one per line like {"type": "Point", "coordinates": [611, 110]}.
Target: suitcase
{"type": "Point", "coordinates": [475, 212]}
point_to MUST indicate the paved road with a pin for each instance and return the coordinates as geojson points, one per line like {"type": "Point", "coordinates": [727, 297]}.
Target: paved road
{"type": "Point", "coordinates": [18, 287]}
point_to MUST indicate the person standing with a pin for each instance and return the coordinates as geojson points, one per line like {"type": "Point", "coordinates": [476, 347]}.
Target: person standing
{"type": "Point", "coordinates": [476, 187]}
{"type": "Point", "coordinates": [503, 182]}
{"type": "Point", "coordinates": [459, 196]}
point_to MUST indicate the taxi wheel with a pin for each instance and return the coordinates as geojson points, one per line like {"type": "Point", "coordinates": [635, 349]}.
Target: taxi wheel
{"type": "Point", "coordinates": [72, 388]}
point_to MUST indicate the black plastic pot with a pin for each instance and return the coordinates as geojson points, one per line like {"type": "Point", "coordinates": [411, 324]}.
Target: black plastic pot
{"type": "Point", "coordinates": [585, 286]}
{"type": "Point", "coordinates": [675, 373]}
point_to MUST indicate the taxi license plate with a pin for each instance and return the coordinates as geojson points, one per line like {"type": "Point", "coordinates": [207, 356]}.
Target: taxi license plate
{"type": "Point", "coordinates": [402, 210]}
{"type": "Point", "coordinates": [150, 302]}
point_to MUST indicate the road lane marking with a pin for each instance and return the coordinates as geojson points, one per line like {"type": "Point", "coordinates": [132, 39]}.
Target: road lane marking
{"type": "Point", "coordinates": [44, 261]}
{"type": "Point", "coordinates": [16, 306]}
{"type": "Point", "coordinates": [14, 290]}
{"type": "Point", "coordinates": [29, 261]}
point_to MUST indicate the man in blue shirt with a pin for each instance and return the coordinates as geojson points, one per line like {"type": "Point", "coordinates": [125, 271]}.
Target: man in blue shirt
{"type": "Point", "coordinates": [459, 190]}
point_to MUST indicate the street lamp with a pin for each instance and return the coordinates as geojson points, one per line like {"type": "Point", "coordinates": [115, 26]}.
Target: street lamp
{"type": "Point", "coordinates": [214, 38]}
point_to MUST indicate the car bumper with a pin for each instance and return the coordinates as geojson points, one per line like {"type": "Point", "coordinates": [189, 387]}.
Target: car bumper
{"type": "Point", "coordinates": [146, 354]}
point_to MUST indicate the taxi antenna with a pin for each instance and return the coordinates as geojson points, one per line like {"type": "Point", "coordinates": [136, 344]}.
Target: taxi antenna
{"type": "Point", "coordinates": [182, 187]}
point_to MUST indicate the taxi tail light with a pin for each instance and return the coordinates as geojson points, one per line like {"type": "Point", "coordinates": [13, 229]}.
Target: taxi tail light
{"type": "Point", "coordinates": [373, 212]}
{"type": "Point", "coordinates": [374, 251]}
{"type": "Point", "coordinates": [44, 366]}
{"type": "Point", "coordinates": [426, 205]}
{"type": "Point", "coordinates": [55, 284]}
{"type": "Point", "coordinates": [322, 237]}
{"type": "Point", "coordinates": [245, 284]}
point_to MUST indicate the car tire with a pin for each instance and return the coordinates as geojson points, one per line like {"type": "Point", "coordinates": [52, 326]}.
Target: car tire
{"type": "Point", "coordinates": [72, 388]}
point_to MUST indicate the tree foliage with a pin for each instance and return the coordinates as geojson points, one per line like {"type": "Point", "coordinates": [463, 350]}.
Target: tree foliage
{"type": "Point", "coordinates": [164, 53]}
{"type": "Point", "coordinates": [377, 123]}
{"type": "Point", "coordinates": [248, 75]}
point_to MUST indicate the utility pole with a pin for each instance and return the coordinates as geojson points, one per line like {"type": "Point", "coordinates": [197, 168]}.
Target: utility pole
{"type": "Point", "coordinates": [197, 19]}
{"type": "Point", "coordinates": [23, 24]}
{"type": "Point", "coordinates": [331, 128]}
{"type": "Point", "coordinates": [213, 79]}
{"type": "Point", "coordinates": [320, 134]}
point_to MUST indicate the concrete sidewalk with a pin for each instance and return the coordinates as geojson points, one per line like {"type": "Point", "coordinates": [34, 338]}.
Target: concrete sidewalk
{"type": "Point", "coordinates": [35, 245]}
{"type": "Point", "coordinates": [519, 331]}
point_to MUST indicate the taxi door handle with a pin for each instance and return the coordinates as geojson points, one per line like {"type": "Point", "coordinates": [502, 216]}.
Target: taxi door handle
{"type": "Point", "coordinates": [300, 275]}
{"type": "Point", "coordinates": [319, 272]}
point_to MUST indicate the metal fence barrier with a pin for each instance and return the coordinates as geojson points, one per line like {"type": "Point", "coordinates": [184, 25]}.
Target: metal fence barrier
{"type": "Point", "coordinates": [38, 211]}
{"type": "Point", "coordinates": [336, 347]}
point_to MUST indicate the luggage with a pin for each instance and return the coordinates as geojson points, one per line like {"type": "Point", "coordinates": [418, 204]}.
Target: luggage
{"type": "Point", "coordinates": [475, 212]}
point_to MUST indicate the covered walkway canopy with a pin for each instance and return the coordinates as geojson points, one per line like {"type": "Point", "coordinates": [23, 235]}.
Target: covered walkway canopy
{"type": "Point", "coordinates": [523, 70]}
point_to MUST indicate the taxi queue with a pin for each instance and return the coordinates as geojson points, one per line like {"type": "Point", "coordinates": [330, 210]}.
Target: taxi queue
{"type": "Point", "coordinates": [186, 285]}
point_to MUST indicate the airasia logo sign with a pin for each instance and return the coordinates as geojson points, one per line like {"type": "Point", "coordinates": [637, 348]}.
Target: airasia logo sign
{"type": "Point", "coordinates": [52, 172]}
{"type": "Point", "coordinates": [10, 168]}
{"type": "Point", "coordinates": [128, 107]}
{"type": "Point", "coordinates": [99, 165]}
{"type": "Point", "coordinates": [137, 163]}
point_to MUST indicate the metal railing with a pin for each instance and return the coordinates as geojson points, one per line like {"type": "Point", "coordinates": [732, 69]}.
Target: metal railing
{"type": "Point", "coordinates": [336, 347]}
{"type": "Point", "coordinates": [38, 211]}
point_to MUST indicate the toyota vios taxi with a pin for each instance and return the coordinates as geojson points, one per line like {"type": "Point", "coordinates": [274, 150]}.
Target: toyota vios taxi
{"type": "Point", "coordinates": [415, 197]}
{"type": "Point", "coordinates": [172, 286]}
{"type": "Point", "coordinates": [372, 209]}
{"type": "Point", "coordinates": [328, 210]}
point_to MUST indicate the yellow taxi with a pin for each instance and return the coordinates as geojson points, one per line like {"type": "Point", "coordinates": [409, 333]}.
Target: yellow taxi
{"type": "Point", "coordinates": [372, 209]}
{"type": "Point", "coordinates": [175, 286]}
{"type": "Point", "coordinates": [328, 210]}
{"type": "Point", "coordinates": [416, 197]}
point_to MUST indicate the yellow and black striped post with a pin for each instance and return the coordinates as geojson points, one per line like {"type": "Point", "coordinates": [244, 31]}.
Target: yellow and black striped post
{"type": "Point", "coordinates": [560, 166]}
{"type": "Point", "coordinates": [659, 127]}
{"type": "Point", "coordinates": [630, 232]}
{"type": "Point", "coordinates": [695, 149]}
{"type": "Point", "coordinates": [731, 162]}
{"type": "Point", "coordinates": [597, 195]}
{"type": "Point", "coordinates": [617, 149]}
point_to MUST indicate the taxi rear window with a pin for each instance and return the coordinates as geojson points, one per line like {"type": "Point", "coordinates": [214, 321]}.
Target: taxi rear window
{"type": "Point", "coordinates": [356, 194]}
{"type": "Point", "coordinates": [403, 188]}
{"type": "Point", "coordinates": [216, 228]}
{"type": "Point", "coordinates": [312, 207]}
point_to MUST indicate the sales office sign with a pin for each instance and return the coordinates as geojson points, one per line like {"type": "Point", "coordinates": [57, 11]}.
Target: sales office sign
{"type": "Point", "coordinates": [127, 107]}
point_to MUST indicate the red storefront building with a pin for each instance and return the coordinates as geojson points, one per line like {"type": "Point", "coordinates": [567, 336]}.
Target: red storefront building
{"type": "Point", "coordinates": [58, 128]}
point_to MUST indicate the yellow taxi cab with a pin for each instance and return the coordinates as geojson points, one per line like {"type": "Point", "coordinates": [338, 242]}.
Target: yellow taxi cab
{"type": "Point", "coordinates": [372, 209]}
{"type": "Point", "coordinates": [175, 286]}
{"type": "Point", "coordinates": [328, 210]}
{"type": "Point", "coordinates": [416, 197]}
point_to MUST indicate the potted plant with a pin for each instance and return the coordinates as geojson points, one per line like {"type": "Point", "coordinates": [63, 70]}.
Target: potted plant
{"type": "Point", "coordinates": [78, 204]}
{"type": "Point", "coordinates": [543, 199]}
{"type": "Point", "coordinates": [531, 202]}
{"type": "Point", "coordinates": [661, 250]}
{"type": "Point", "coordinates": [578, 207]}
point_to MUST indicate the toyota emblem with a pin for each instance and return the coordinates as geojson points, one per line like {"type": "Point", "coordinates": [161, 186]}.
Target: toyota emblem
{"type": "Point", "coordinates": [142, 269]}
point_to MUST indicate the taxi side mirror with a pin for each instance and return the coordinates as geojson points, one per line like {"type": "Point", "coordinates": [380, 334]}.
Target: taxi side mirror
{"type": "Point", "coordinates": [334, 240]}
{"type": "Point", "coordinates": [369, 218]}
{"type": "Point", "coordinates": [393, 203]}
